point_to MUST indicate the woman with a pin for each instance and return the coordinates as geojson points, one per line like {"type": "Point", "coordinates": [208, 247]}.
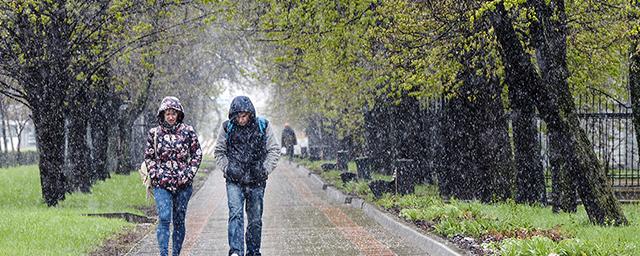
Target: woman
{"type": "Point", "coordinates": [173, 156]}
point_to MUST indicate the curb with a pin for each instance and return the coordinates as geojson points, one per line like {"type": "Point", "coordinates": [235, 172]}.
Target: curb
{"type": "Point", "coordinates": [432, 244]}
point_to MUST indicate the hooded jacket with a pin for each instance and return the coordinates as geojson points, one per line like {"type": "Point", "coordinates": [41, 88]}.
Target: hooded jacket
{"type": "Point", "coordinates": [244, 155]}
{"type": "Point", "coordinates": [288, 137]}
{"type": "Point", "coordinates": [175, 161]}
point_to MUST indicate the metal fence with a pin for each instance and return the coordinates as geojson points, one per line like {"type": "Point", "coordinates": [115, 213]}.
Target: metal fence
{"type": "Point", "coordinates": [608, 123]}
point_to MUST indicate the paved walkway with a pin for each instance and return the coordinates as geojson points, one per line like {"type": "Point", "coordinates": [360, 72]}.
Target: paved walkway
{"type": "Point", "coordinates": [298, 220]}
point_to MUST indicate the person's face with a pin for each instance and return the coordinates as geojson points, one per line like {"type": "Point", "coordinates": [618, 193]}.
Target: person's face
{"type": "Point", "coordinates": [171, 116]}
{"type": "Point", "coordinates": [243, 118]}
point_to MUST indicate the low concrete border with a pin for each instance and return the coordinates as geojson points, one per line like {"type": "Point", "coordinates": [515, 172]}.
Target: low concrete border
{"type": "Point", "coordinates": [434, 245]}
{"type": "Point", "coordinates": [317, 180]}
{"type": "Point", "coordinates": [337, 195]}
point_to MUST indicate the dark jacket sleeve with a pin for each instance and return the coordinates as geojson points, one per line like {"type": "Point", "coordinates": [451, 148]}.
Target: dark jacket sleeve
{"type": "Point", "coordinates": [293, 135]}
{"type": "Point", "coordinates": [283, 137]}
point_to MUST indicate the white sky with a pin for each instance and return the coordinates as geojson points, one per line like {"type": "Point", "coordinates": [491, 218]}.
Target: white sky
{"type": "Point", "coordinates": [258, 97]}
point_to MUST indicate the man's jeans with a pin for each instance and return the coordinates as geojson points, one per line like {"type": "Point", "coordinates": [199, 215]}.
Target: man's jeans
{"type": "Point", "coordinates": [169, 204]}
{"type": "Point", "coordinates": [237, 197]}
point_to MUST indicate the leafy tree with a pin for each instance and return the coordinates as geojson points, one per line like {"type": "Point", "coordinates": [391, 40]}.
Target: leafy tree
{"type": "Point", "coordinates": [54, 55]}
{"type": "Point", "coordinates": [554, 102]}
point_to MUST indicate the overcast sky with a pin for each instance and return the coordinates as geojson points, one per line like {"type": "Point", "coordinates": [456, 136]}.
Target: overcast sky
{"type": "Point", "coordinates": [257, 96]}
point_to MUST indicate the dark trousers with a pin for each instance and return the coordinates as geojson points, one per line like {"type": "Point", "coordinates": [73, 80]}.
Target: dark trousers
{"type": "Point", "coordinates": [290, 152]}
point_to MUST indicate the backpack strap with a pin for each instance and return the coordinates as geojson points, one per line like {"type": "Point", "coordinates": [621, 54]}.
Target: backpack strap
{"type": "Point", "coordinates": [262, 125]}
{"type": "Point", "coordinates": [228, 127]}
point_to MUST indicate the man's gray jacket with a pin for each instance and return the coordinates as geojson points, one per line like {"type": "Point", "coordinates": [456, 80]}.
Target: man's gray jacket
{"type": "Point", "coordinates": [245, 155]}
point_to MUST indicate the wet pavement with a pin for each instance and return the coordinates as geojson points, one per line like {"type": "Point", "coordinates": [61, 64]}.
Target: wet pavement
{"type": "Point", "coordinates": [298, 219]}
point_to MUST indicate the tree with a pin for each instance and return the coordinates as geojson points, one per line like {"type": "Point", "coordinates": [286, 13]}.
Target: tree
{"type": "Point", "coordinates": [556, 106]}
{"type": "Point", "coordinates": [36, 55]}
{"type": "Point", "coordinates": [530, 184]}
{"type": "Point", "coordinates": [634, 63]}
{"type": "Point", "coordinates": [20, 115]}
{"type": "Point", "coordinates": [44, 54]}
{"type": "Point", "coordinates": [370, 50]}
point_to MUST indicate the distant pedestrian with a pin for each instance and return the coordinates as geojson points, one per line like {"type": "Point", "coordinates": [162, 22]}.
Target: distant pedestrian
{"type": "Point", "coordinates": [172, 156]}
{"type": "Point", "coordinates": [288, 140]}
{"type": "Point", "coordinates": [246, 152]}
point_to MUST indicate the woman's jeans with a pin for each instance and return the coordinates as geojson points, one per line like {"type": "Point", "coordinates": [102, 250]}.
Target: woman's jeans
{"type": "Point", "coordinates": [168, 204]}
{"type": "Point", "coordinates": [237, 197]}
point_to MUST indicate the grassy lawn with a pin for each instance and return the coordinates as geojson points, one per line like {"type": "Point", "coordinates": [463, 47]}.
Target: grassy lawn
{"type": "Point", "coordinates": [29, 227]}
{"type": "Point", "coordinates": [503, 228]}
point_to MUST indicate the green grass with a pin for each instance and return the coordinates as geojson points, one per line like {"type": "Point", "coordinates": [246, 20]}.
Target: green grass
{"type": "Point", "coordinates": [29, 227]}
{"type": "Point", "coordinates": [576, 235]}
{"type": "Point", "coordinates": [523, 229]}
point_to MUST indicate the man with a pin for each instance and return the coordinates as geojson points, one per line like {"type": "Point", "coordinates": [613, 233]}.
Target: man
{"type": "Point", "coordinates": [288, 140]}
{"type": "Point", "coordinates": [246, 152]}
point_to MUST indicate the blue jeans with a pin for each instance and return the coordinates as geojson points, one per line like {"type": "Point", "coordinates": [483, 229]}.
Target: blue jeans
{"type": "Point", "coordinates": [250, 198]}
{"type": "Point", "coordinates": [168, 204]}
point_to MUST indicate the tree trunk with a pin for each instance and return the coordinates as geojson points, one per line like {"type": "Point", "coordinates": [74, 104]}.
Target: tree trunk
{"type": "Point", "coordinates": [377, 128]}
{"type": "Point", "coordinates": [45, 95]}
{"type": "Point", "coordinates": [563, 190]}
{"type": "Point", "coordinates": [411, 134]}
{"type": "Point", "coordinates": [123, 149]}
{"type": "Point", "coordinates": [551, 57]}
{"type": "Point", "coordinates": [4, 128]}
{"type": "Point", "coordinates": [491, 162]}
{"type": "Point", "coordinates": [13, 147]}
{"type": "Point", "coordinates": [128, 114]}
{"type": "Point", "coordinates": [457, 168]}
{"type": "Point", "coordinates": [530, 185]}
{"type": "Point", "coordinates": [555, 109]}
{"type": "Point", "coordinates": [481, 168]}
{"type": "Point", "coordinates": [99, 136]}
{"type": "Point", "coordinates": [78, 149]}
{"type": "Point", "coordinates": [19, 131]}
{"type": "Point", "coordinates": [433, 138]}
{"type": "Point", "coordinates": [634, 82]}
{"type": "Point", "coordinates": [494, 150]}
{"type": "Point", "coordinates": [50, 139]}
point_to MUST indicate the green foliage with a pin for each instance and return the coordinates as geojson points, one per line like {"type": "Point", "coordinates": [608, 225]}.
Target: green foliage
{"type": "Point", "coordinates": [596, 48]}
{"type": "Point", "coordinates": [387, 201]}
{"type": "Point", "coordinates": [334, 58]}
